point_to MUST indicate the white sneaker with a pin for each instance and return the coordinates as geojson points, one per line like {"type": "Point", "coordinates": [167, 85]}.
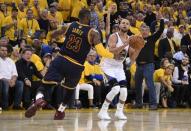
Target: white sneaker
{"type": "Point", "coordinates": [120, 115]}
{"type": "Point", "coordinates": [103, 115]}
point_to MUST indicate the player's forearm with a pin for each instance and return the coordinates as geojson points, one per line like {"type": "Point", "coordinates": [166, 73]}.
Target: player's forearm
{"type": "Point", "coordinates": [117, 50]}
{"type": "Point", "coordinates": [103, 52]}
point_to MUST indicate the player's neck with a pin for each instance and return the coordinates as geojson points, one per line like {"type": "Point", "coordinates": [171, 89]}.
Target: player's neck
{"type": "Point", "coordinates": [121, 33]}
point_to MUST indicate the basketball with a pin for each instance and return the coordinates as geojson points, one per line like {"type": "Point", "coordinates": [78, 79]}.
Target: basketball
{"type": "Point", "coordinates": [136, 42]}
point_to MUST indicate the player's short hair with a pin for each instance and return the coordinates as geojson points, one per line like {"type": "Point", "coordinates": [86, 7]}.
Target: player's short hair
{"type": "Point", "coordinates": [84, 12]}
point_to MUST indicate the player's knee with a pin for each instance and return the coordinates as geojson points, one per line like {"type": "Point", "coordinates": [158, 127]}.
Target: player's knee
{"type": "Point", "coordinates": [123, 84]}
{"type": "Point", "coordinates": [116, 89]}
{"type": "Point", "coordinates": [123, 94]}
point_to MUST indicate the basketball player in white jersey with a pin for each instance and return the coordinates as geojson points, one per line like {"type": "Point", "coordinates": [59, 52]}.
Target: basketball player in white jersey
{"type": "Point", "coordinates": [118, 43]}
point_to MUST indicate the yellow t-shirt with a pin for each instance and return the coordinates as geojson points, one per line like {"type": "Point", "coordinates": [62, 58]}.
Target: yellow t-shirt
{"type": "Point", "coordinates": [66, 5]}
{"type": "Point", "coordinates": [100, 14]}
{"type": "Point", "coordinates": [135, 30]}
{"type": "Point", "coordinates": [90, 69]}
{"type": "Point", "coordinates": [42, 3]}
{"type": "Point", "coordinates": [38, 62]}
{"type": "Point", "coordinates": [58, 17]}
{"type": "Point", "coordinates": [77, 5]}
{"type": "Point", "coordinates": [35, 12]}
{"type": "Point", "coordinates": [21, 15]}
{"type": "Point", "coordinates": [10, 33]}
{"type": "Point", "coordinates": [160, 73]}
{"type": "Point", "coordinates": [2, 18]}
{"type": "Point", "coordinates": [29, 27]}
{"type": "Point", "coordinates": [139, 23]}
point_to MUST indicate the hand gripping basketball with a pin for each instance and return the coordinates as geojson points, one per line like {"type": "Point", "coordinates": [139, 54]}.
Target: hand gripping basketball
{"type": "Point", "coordinates": [136, 42]}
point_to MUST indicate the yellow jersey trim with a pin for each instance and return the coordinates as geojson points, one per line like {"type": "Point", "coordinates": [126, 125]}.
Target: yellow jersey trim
{"type": "Point", "coordinates": [71, 60]}
{"type": "Point", "coordinates": [49, 82]}
{"type": "Point", "coordinates": [81, 24]}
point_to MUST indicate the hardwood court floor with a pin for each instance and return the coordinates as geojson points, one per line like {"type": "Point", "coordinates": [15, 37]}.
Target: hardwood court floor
{"type": "Point", "coordinates": [86, 120]}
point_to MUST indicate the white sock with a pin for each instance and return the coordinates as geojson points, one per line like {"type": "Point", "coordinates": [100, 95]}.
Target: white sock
{"type": "Point", "coordinates": [61, 108]}
{"type": "Point", "coordinates": [120, 106]}
{"type": "Point", "coordinates": [105, 105]}
{"type": "Point", "coordinates": [39, 95]}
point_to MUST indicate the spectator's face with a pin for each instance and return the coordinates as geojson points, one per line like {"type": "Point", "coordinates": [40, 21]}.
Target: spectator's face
{"type": "Point", "coordinates": [27, 55]}
{"type": "Point", "coordinates": [145, 31]}
{"type": "Point", "coordinates": [52, 10]}
{"type": "Point", "coordinates": [124, 25]}
{"type": "Point", "coordinates": [35, 2]}
{"type": "Point", "coordinates": [169, 70]}
{"type": "Point", "coordinates": [185, 61]}
{"type": "Point", "coordinates": [157, 7]}
{"type": "Point", "coordinates": [15, 53]}
{"type": "Point", "coordinates": [30, 14]}
{"type": "Point", "coordinates": [21, 6]}
{"type": "Point", "coordinates": [92, 57]}
{"type": "Point", "coordinates": [113, 8]}
{"type": "Point", "coordinates": [115, 29]}
{"type": "Point", "coordinates": [133, 21]}
{"type": "Point", "coordinates": [4, 42]}
{"type": "Point", "coordinates": [100, 5]}
{"type": "Point", "coordinates": [92, 6]}
{"type": "Point", "coordinates": [14, 14]}
{"type": "Point", "coordinates": [165, 63]}
{"type": "Point", "coordinates": [26, 2]}
{"type": "Point", "coordinates": [181, 29]}
{"type": "Point", "coordinates": [184, 48]}
{"type": "Point", "coordinates": [3, 7]}
{"type": "Point", "coordinates": [45, 14]}
{"type": "Point", "coordinates": [3, 52]}
{"type": "Point", "coordinates": [36, 43]}
{"type": "Point", "coordinates": [170, 33]}
{"type": "Point", "coordinates": [22, 44]}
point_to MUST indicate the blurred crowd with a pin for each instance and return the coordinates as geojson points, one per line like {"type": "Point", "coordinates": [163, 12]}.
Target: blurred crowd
{"type": "Point", "coordinates": [27, 49]}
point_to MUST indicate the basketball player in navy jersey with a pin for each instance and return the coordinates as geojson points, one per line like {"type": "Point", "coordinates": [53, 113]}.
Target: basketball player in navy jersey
{"type": "Point", "coordinates": [65, 70]}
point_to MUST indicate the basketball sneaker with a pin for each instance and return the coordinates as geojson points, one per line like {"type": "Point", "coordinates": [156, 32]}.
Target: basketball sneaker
{"type": "Point", "coordinates": [120, 115]}
{"type": "Point", "coordinates": [103, 115]}
{"type": "Point", "coordinates": [59, 115]}
{"type": "Point", "coordinates": [31, 111]}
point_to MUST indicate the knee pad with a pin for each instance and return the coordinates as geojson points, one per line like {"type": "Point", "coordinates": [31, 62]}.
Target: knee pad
{"type": "Point", "coordinates": [123, 94]}
{"type": "Point", "coordinates": [115, 89]}
{"type": "Point", "coordinates": [123, 83]}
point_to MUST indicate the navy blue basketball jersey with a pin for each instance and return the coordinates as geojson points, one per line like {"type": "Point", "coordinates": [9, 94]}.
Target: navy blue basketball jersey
{"type": "Point", "coordinates": [77, 43]}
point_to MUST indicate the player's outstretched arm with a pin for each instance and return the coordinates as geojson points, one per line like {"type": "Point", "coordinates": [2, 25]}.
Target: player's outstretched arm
{"type": "Point", "coordinates": [61, 31]}
{"type": "Point", "coordinates": [96, 42]}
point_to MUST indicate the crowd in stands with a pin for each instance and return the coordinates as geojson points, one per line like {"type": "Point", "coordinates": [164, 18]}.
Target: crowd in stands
{"type": "Point", "coordinates": [27, 49]}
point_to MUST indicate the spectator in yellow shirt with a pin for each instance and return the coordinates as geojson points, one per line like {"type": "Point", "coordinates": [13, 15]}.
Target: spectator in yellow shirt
{"type": "Point", "coordinates": [29, 25]}
{"type": "Point", "coordinates": [65, 6]}
{"type": "Point", "coordinates": [162, 79]}
{"type": "Point", "coordinates": [21, 11]}
{"type": "Point", "coordinates": [91, 80]}
{"type": "Point", "coordinates": [10, 27]}
{"type": "Point", "coordinates": [55, 15]}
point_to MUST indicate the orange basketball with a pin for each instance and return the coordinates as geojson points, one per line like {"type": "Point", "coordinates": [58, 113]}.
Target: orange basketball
{"type": "Point", "coordinates": [136, 42]}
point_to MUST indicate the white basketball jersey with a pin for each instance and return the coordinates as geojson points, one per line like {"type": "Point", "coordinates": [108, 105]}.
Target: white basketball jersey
{"type": "Point", "coordinates": [106, 62]}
